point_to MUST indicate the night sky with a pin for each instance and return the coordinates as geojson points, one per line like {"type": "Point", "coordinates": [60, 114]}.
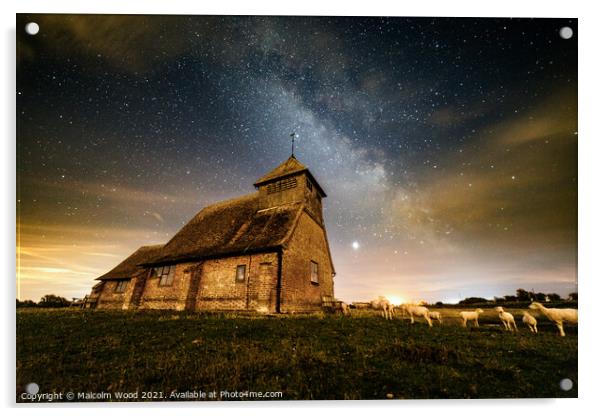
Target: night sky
{"type": "Point", "coordinates": [447, 146]}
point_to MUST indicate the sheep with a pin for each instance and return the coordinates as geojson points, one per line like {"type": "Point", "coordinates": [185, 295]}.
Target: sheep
{"type": "Point", "coordinates": [558, 316]}
{"type": "Point", "coordinates": [507, 319]}
{"type": "Point", "coordinates": [345, 309]}
{"type": "Point", "coordinates": [418, 311]}
{"type": "Point", "coordinates": [436, 316]}
{"type": "Point", "coordinates": [387, 310]}
{"type": "Point", "coordinates": [471, 316]}
{"type": "Point", "coordinates": [530, 321]}
{"type": "Point", "coordinates": [383, 305]}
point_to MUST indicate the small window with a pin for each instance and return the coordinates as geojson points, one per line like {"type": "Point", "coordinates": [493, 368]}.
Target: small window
{"type": "Point", "coordinates": [166, 275]}
{"type": "Point", "coordinates": [241, 272]}
{"type": "Point", "coordinates": [314, 272]}
{"type": "Point", "coordinates": [121, 285]}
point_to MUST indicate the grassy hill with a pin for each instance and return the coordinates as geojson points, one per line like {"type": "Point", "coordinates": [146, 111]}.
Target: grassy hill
{"type": "Point", "coordinates": [304, 357]}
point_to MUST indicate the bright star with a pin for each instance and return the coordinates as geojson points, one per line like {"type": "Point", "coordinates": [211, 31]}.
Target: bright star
{"type": "Point", "coordinates": [355, 245]}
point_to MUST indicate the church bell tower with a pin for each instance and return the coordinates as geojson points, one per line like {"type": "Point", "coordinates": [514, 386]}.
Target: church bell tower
{"type": "Point", "coordinates": [291, 182]}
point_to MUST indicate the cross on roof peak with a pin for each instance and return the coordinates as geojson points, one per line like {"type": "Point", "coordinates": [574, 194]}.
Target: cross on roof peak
{"type": "Point", "coordinates": [292, 136]}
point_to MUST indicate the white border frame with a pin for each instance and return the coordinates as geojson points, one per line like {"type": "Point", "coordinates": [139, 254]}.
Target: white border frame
{"type": "Point", "coordinates": [590, 207]}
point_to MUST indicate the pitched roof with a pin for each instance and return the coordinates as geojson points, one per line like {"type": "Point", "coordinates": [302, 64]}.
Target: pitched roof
{"type": "Point", "coordinates": [286, 168]}
{"type": "Point", "coordinates": [230, 227]}
{"type": "Point", "coordinates": [289, 167]}
{"type": "Point", "coordinates": [131, 265]}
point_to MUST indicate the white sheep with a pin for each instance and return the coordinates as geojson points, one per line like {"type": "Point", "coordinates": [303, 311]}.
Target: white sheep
{"type": "Point", "coordinates": [382, 304]}
{"type": "Point", "coordinates": [558, 316]}
{"type": "Point", "coordinates": [388, 310]}
{"type": "Point", "coordinates": [530, 321]}
{"type": "Point", "coordinates": [471, 316]}
{"type": "Point", "coordinates": [418, 311]}
{"type": "Point", "coordinates": [436, 316]}
{"type": "Point", "coordinates": [345, 309]}
{"type": "Point", "coordinates": [507, 319]}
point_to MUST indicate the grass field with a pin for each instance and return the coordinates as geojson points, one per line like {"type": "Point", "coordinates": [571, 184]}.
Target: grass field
{"type": "Point", "coordinates": [304, 357]}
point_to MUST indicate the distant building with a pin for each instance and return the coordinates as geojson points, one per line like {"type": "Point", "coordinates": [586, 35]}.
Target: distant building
{"type": "Point", "coordinates": [266, 251]}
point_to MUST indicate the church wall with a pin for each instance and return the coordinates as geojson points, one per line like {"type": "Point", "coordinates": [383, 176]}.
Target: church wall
{"type": "Point", "coordinates": [135, 289]}
{"type": "Point", "coordinates": [109, 299]}
{"type": "Point", "coordinates": [167, 297]}
{"type": "Point", "coordinates": [263, 281]}
{"type": "Point", "coordinates": [217, 287]}
{"type": "Point", "coordinates": [220, 290]}
{"type": "Point", "coordinates": [308, 243]}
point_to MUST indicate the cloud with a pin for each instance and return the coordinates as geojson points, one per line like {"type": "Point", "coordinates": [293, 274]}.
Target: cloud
{"type": "Point", "coordinates": [65, 259]}
{"type": "Point", "coordinates": [129, 43]}
{"type": "Point", "coordinates": [112, 191]}
{"type": "Point", "coordinates": [155, 215]}
{"type": "Point", "coordinates": [555, 117]}
{"type": "Point", "coordinates": [518, 185]}
{"type": "Point", "coordinates": [495, 216]}
{"type": "Point", "coordinates": [441, 275]}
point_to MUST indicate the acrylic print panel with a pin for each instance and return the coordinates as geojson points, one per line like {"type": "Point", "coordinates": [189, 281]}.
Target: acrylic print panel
{"type": "Point", "coordinates": [283, 208]}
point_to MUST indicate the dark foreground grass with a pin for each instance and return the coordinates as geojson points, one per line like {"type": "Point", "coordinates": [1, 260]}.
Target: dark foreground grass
{"type": "Point", "coordinates": [308, 357]}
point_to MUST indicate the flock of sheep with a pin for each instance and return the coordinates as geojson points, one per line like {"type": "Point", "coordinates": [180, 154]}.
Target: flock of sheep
{"type": "Point", "coordinates": [557, 316]}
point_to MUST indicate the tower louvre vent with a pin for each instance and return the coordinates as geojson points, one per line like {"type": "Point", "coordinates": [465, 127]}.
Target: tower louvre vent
{"type": "Point", "coordinates": [281, 185]}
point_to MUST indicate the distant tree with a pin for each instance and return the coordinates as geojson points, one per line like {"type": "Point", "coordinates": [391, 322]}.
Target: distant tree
{"type": "Point", "coordinates": [53, 301]}
{"type": "Point", "coordinates": [573, 296]}
{"type": "Point", "coordinates": [510, 298]}
{"type": "Point", "coordinates": [522, 295]}
{"type": "Point", "coordinates": [472, 300]}
{"type": "Point", "coordinates": [554, 297]}
{"type": "Point", "coordinates": [540, 297]}
{"type": "Point", "coordinates": [439, 303]}
{"type": "Point", "coordinates": [498, 300]}
{"type": "Point", "coordinates": [25, 303]}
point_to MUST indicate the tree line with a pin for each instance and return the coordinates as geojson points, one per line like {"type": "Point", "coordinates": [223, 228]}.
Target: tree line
{"type": "Point", "coordinates": [47, 301]}
{"type": "Point", "coordinates": [522, 295]}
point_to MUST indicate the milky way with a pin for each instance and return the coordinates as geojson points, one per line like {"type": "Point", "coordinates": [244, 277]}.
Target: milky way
{"type": "Point", "coordinates": [447, 146]}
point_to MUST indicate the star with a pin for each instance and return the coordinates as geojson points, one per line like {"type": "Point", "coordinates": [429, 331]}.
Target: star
{"type": "Point", "coordinates": [407, 145]}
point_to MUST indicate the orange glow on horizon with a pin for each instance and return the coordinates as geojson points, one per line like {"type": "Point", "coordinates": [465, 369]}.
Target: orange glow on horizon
{"type": "Point", "coordinates": [395, 299]}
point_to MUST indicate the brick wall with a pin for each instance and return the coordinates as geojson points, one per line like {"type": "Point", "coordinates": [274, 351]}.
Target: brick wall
{"type": "Point", "coordinates": [109, 299]}
{"type": "Point", "coordinates": [173, 296]}
{"type": "Point", "coordinates": [219, 289]}
{"type": "Point", "coordinates": [215, 289]}
{"type": "Point", "coordinates": [307, 244]}
{"type": "Point", "coordinates": [263, 279]}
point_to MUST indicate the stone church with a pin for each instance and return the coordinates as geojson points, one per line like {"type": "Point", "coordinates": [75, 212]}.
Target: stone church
{"type": "Point", "coordinates": [266, 252]}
